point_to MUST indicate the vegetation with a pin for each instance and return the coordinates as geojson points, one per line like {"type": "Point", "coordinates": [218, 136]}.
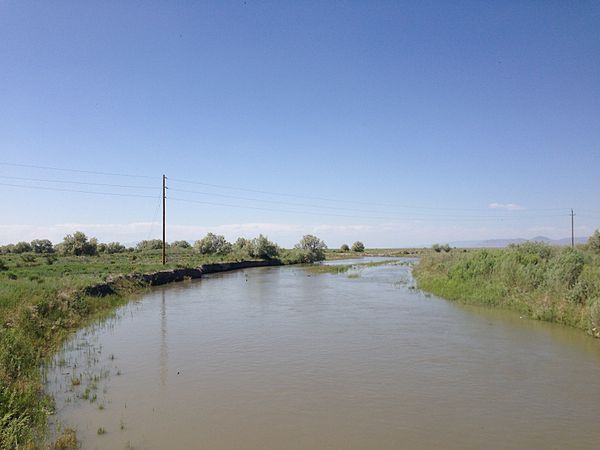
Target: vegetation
{"type": "Point", "coordinates": [358, 247]}
{"type": "Point", "coordinates": [213, 244]}
{"type": "Point", "coordinates": [542, 282]}
{"type": "Point", "coordinates": [310, 249]}
{"type": "Point", "coordinates": [262, 248]}
{"type": "Point", "coordinates": [344, 248]}
{"type": "Point", "coordinates": [441, 248]}
{"type": "Point", "coordinates": [78, 244]}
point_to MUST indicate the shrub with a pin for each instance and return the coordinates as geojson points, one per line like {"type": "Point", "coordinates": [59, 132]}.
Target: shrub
{"type": "Point", "coordinates": [262, 248]}
{"type": "Point", "coordinates": [28, 258]}
{"type": "Point", "coordinates": [78, 244]}
{"type": "Point", "coordinates": [3, 265]}
{"type": "Point", "coordinates": [152, 244]}
{"type": "Point", "coordinates": [312, 248]}
{"type": "Point", "coordinates": [564, 269]}
{"type": "Point", "coordinates": [22, 247]}
{"type": "Point", "coordinates": [358, 247]}
{"type": "Point", "coordinates": [594, 242]}
{"type": "Point", "coordinates": [345, 248]}
{"type": "Point", "coordinates": [213, 244]}
{"type": "Point", "coordinates": [7, 248]}
{"type": "Point", "coordinates": [114, 247]}
{"type": "Point", "coordinates": [42, 246]}
{"type": "Point", "coordinates": [242, 244]}
{"type": "Point", "coordinates": [180, 244]}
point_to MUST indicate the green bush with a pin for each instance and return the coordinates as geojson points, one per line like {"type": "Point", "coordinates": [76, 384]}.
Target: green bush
{"type": "Point", "coordinates": [594, 242]}
{"type": "Point", "coordinates": [114, 247]}
{"type": "Point", "coordinates": [42, 246]}
{"type": "Point", "coordinates": [213, 244]}
{"type": "Point", "coordinates": [147, 245]}
{"type": "Point", "coordinates": [358, 247]}
{"type": "Point", "coordinates": [180, 244]}
{"type": "Point", "coordinates": [311, 248]}
{"type": "Point", "coordinates": [344, 248]}
{"type": "Point", "coordinates": [262, 248]}
{"type": "Point", "coordinates": [565, 268]}
{"type": "Point", "coordinates": [22, 247]}
{"type": "Point", "coordinates": [78, 244]}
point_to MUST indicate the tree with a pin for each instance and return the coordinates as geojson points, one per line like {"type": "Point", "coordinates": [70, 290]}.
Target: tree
{"type": "Point", "coordinates": [313, 248]}
{"type": "Point", "coordinates": [78, 244]}
{"type": "Point", "coordinates": [263, 248]}
{"type": "Point", "coordinates": [345, 248]}
{"type": "Point", "coordinates": [22, 247]}
{"type": "Point", "coordinates": [213, 244]}
{"type": "Point", "coordinates": [358, 247]}
{"type": "Point", "coordinates": [42, 246]}
{"type": "Point", "coordinates": [594, 241]}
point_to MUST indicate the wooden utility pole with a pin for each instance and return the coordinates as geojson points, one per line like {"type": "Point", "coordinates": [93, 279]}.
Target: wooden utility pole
{"type": "Point", "coordinates": [572, 229]}
{"type": "Point", "coordinates": [164, 199]}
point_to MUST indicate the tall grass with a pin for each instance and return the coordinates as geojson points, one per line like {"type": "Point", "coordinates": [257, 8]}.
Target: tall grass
{"type": "Point", "coordinates": [542, 282]}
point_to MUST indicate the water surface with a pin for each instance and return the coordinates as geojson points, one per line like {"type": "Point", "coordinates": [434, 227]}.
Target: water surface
{"type": "Point", "coordinates": [282, 358]}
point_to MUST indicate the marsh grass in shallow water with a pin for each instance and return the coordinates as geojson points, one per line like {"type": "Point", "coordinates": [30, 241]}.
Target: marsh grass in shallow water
{"type": "Point", "coordinates": [343, 268]}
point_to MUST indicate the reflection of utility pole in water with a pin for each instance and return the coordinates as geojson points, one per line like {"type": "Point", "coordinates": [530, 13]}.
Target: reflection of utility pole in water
{"type": "Point", "coordinates": [164, 354]}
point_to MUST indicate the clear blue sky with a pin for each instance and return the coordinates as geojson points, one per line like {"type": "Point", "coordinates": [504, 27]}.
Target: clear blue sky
{"type": "Point", "coordinates": [449, 108]}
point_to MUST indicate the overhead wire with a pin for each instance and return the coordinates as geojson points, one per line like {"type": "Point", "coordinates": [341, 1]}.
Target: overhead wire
{"type": "Point", "coordinates": [320, 213]}
{"type": "Point", "coordinates": [47, 188]}
{"type": "Point", "coordinates": [44, 180]}
{"type": "Point", "coordinates": [326, 207]}
{"type": "Point", "coordinates": [338, 200]}
{"type": "Point", "coordinates": [62, 169]}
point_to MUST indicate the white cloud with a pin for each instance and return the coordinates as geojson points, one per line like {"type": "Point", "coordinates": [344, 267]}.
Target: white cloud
{"type": "Point", "coordinates": [506, 206]}
{"type": "Point", "coordinates": [389, 234]}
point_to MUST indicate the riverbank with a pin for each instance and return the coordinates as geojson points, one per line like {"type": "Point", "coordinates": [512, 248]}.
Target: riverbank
{"type": "Point", "coordinates": [553, 284]}
{"type": "Point", "coordinates": [43, 303]}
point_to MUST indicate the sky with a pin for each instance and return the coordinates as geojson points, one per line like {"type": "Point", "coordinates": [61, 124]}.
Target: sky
{"type": "Point", "coordinates": [394, 123]}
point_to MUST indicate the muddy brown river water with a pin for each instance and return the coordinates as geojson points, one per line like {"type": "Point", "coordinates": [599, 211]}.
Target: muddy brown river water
{"type": "Point", "coordinates": [280, 358]}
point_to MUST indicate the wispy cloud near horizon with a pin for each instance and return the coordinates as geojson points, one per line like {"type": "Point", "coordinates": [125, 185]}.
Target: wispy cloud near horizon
{"type": "Point", "coordinates": [389, 234]}
{"type": "Point", "coordinates": [506, 206]}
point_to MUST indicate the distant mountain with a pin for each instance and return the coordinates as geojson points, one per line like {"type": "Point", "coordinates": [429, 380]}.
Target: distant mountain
{"type": "Point", "coordinates": [499, 243]}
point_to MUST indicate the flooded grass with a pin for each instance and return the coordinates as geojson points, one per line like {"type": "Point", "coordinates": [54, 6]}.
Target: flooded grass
{"type": "Point", "coordinates": [343, 268]}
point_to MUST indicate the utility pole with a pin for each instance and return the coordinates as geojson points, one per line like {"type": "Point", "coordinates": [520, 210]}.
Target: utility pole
{"type": "Point", "coordinates": [572, 229]}
{"type": "Point", "coordinates": [164, 199]}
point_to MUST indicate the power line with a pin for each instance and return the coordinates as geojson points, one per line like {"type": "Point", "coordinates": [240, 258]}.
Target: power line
{"type": "Point", "coordinates": [79, 182]}
{"type": "Point", "coordinates": [415, 217]}
{"type": "Point", "coordinates": [45, 188]}
{"type": "Point", "coordinates": [338, 200]}
{"type": "Point", "coordinates": [32, 166]}
{"type": "Point", "coordinates": [327, 207]}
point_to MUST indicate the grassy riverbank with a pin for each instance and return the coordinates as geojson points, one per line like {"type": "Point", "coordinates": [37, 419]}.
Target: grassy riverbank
{"type": "Point", "coordinates": [541, 282]}
{"type": "Point", "coordinates": [41, 304]}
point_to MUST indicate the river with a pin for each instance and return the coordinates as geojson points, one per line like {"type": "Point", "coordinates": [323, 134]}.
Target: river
{"type": "Point", "coordinates": [280, 357]}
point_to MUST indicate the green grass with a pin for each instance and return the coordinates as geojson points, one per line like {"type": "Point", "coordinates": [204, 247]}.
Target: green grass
{"type": "Point", "coordinates": [547, 283]}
